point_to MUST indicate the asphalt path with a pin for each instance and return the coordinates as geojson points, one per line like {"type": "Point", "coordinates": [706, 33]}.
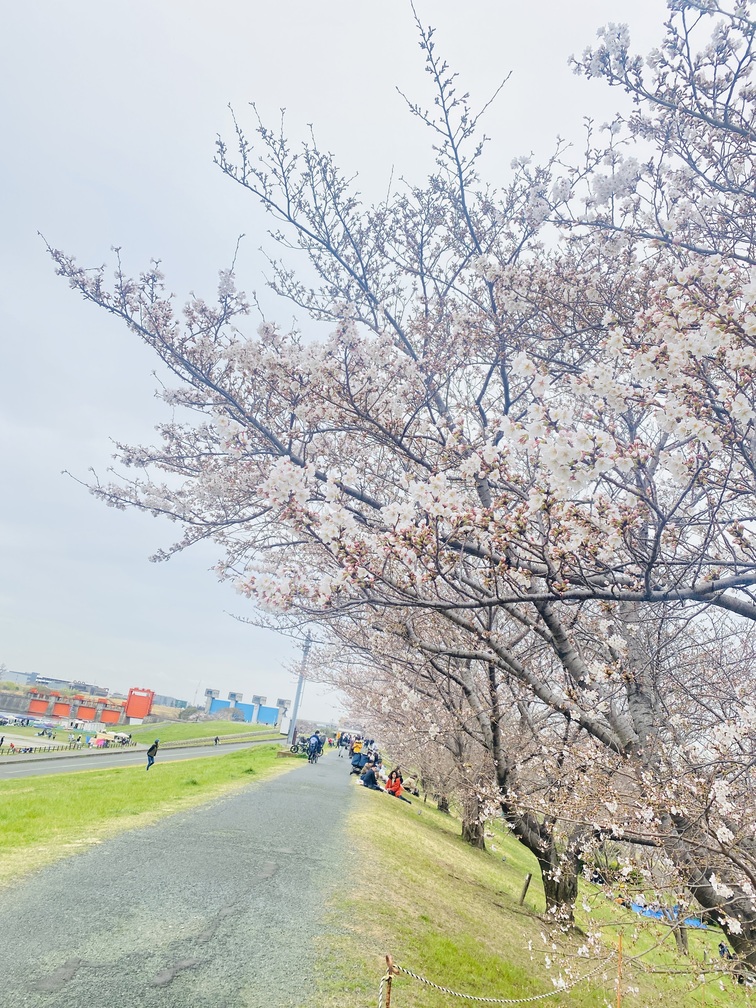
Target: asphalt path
{"type": "Point", "coordinates": [15, 767]}
{"type": "Point", "coordinates": [216, 907]}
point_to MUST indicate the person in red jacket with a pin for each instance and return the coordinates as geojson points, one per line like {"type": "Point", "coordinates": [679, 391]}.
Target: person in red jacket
{"type": "Point", "coordinates": [394, 786]}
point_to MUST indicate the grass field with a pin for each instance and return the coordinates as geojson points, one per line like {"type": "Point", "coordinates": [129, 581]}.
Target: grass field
{"type": "Point", "coordinates": [450, 914]}
{"type": "Point", "coordinates": [174, 731]}
{"type": "Point", "coordinates": [46, 818]}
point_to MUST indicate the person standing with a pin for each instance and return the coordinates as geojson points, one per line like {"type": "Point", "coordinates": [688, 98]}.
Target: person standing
{"type": "Point", "coordinates": [152, 753]}
{"type": "Point", "coordinates": [216, 740]}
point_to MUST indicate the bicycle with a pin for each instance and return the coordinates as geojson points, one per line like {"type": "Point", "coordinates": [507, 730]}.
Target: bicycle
{"type": "Point", "coordinates": [312, 757]}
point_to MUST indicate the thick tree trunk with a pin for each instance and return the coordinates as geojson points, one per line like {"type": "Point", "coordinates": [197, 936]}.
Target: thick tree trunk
{"type": "Point", "coordinates": [473, 832]}
{"type": "Point", "coordinates": [559, 873]}
{"type": "Point", "coordinates": [473, 816]}
{"type": "Point", "coordinates": [736, 912]}
{"type": "Point", "coordinates": [559, 865]}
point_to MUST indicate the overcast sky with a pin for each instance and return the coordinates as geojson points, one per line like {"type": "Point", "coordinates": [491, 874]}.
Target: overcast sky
{"type": "Point", "coordinates": [110, 112]}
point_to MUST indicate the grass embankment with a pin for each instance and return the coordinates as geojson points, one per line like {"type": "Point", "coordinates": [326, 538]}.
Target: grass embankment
{"type": "Point", "coordinates": [177, 731]}
{"type": "Point", "coordinates": [451, 914]}
{"type": "Point", "coordinates": [47, 818]}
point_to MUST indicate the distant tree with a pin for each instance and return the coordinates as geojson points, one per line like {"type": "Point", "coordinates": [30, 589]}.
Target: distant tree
{"type": "Point", "coordinates": [228, 714]}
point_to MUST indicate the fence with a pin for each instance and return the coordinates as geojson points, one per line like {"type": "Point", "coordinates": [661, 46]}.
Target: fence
{"type": "Point", "coordinates": [393, 970]}
{"type": "Point", "coordinates": [35, 747]}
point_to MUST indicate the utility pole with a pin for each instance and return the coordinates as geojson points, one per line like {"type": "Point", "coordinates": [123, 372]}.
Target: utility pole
{"type": "Point", "coordinates": [300, 689]}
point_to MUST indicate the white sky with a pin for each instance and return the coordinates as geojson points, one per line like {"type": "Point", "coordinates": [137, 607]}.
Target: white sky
{"type": "Point", "coordinates": [110, 112]}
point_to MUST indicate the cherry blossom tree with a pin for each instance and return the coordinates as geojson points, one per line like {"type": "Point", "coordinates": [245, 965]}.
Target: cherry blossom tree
{"type": "Point", "coordinates": [691, 189]}
{"type": "Point", "coordinates": [425, 744]}
{"type": "Point", "coordinates": [531, 425]}
{"type": "Point", "coordinates": [496, 751]}
{"type": "Point", "coordinates": [684, 794]}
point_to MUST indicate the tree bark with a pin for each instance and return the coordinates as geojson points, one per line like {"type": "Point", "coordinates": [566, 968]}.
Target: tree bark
{"type": "Point", "coordinates": [473, 832]}
{"type": "Point", "coordinates": [681, 937]}
{"type": "Point", "coordinates": [559, 873]}
{"type": "Point", "coordinates": [559, 864]}
{"type": "Point", "coordinates": [736, 914]}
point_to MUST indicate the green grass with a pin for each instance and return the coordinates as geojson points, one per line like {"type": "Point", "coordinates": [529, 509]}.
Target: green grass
{"type": "Point", "coordinates": [176, 731]}
{"type": "Point", "coordinates": [450, 913]}
{"type": "Point", "coordinates": [46, 818]}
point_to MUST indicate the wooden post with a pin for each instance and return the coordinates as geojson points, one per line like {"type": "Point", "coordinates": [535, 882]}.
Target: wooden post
{"type": "Point", "coordinates": [619, 971]}
{"type": "Point", "coordinates": [528, 877]}
{"type": "Point", "coordinates": [390, 971]}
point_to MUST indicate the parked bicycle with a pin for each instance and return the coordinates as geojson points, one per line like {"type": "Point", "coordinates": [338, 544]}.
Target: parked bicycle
{"type": "Point", "coordinates": [299, 747]}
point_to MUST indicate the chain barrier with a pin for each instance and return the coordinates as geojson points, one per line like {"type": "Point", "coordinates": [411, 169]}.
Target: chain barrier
{"type": "Point", "coordinates": [384, 980]}
{"type": "Point", "coordinates": [384, 992]}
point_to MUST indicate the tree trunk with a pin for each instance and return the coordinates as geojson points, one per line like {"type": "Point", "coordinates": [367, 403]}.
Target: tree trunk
{"type": "Point", "coordinates": [559, 873]}
{"type": "Point", "coordinates": [473, 816]}
{"type": "Point", "coordinates": [443, 803]}
{"type": "Point", "coordinates": [473, 832]}
{"type": "Point", "coordinates": [559, 864]}
{"type": "Point", "coordinates": [735, 913]}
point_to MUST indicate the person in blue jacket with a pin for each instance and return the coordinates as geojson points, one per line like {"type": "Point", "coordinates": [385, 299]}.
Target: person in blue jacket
{"type": "Point", "coordinates": [359, 761]}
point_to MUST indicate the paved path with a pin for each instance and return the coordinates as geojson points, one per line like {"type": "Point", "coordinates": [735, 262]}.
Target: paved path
{"type": "Point", "coordinates": [217, 907]}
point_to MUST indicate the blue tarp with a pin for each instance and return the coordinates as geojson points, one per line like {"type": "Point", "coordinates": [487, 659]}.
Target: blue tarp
{"type": "Point", "coordinates": [665, 915]}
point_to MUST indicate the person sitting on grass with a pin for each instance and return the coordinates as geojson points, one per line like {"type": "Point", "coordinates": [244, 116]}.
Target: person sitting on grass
{"type": "Point", "coordinates": [411, 785]}
{"type": "Point", "coordinates": [394, 786]}
{"type": "Point", "coordinates": [368, 778]}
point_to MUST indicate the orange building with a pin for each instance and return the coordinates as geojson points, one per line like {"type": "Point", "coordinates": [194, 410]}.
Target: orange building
{"type": "Point", "coordinates": [139, 703]}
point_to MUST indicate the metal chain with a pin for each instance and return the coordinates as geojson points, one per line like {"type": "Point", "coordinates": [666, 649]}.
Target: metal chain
{"type": "Point", "coordinates": [488, 1000]}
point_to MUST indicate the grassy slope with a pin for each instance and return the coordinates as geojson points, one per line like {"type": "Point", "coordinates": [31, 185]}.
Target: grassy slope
{"type": "Point", "coordinates": [46, 818]}
{"type": "Point", "coordinates": [451, 914]}
{"type": "Point", "coordinates": [173, 731]}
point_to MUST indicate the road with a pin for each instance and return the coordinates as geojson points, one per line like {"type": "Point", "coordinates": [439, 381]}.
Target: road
{"type": "Point", "coordinates": [217, 907]}
{"type": "Point", "coordinates": [15, 767]}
